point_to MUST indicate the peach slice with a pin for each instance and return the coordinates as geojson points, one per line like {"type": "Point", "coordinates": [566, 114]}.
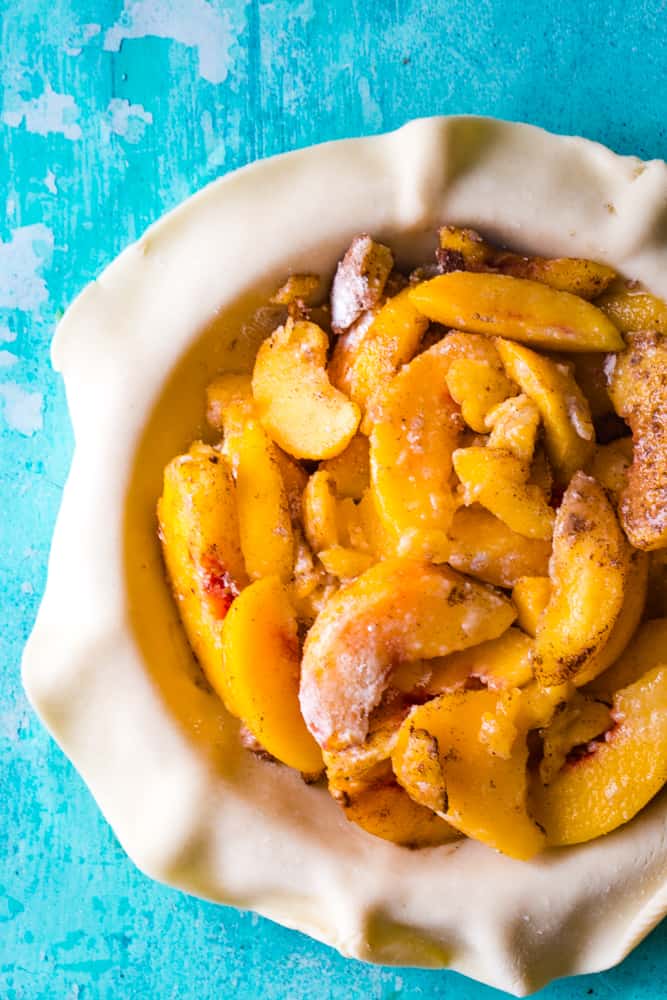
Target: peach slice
{"type": "Point", "coordinates": [483, 792]}
{"type": "Point", "coordinates": [466, 249]}
{"type": "Point", "coordinates": [350, 470]}
{"type": "Point", "coordinates": [647, 650]}
{"type": "Point", "coordinates": [610, 465]}
{"type": "Point", "coordinates": [531, 595]}
{"type": "Point", "coordinates": [581, 720]}
{"type": "Point", "coordinates": [600, 791]}
{"type": "Point", "coordinates": [499, 663]}
{"type": "Point", "coordinates": [415, 431]}
{"type": "Point", "coordinates": [267, 538]}
{"type": "Point", "coordinates": [296, 403]}
{"type": "Point", "coordinates": [260, 632]}
{"type": "Point", "coordinates": [345, 563]}
{"type": "Point", "coordinates": [390, 341]}
{"type": "Point", "coordinates": [483, 546]}
{"type": "Point", "coordinates": [513, 425]}
{"type": "Point", "coordinates": [199, 531]}
{"type": "Point", "coordinates": [630, 307]}
{"type": "Point", "coordinates": [398, 610]}
{"type": "Point", "coordinates": [638, 389]}
{"type": "Point", "coordinates": [475, 377]}
{"type": "Point", "coordinates": [568, 426]}
{"type": "Point", "coordinates": [320, 513]}
{"type": "Point", "coordinates": [588, 570]}
{"type": "Point", "coordinates": [226, 390]}
{"type": "Point", "coordinates": [497, 304]}
{"type": "Point", "coordinates": [497, 479]}
{"type": "Point", "coordinates": [385, 810]}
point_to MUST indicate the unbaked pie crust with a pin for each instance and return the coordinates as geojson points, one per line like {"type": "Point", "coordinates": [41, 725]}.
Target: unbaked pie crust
{"type": "Point", "coordinates": [108, 667]}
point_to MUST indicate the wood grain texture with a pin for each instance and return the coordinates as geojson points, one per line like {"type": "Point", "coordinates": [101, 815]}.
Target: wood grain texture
{"type": "Point", "coordinates": [111, 113]}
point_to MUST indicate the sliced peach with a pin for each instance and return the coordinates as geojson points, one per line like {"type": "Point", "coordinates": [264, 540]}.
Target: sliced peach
{"type": "Point", "coordinates": [647, 649]}
{"type": "Point", "coordinates": [630, 307]}
{"type": "Point", "coordinates": [483, 546]}
{"type": "Point", "coordinates": [568, 426]}
{"type": "Point", "coordinates": [345, 563]}
{"type": "Point", "coordinates": [261, 673]}
{"type": "Point", "coordinates": [226, 390]}
{"type": "Point", "coordinates": [389, 342]}
{"type": "Point", "coordinates": [581, 720]}
{"type": "Point", "coordinates": [320, 515]}
{"type": "Point", "coordinates": [351, 469]}
{"type": "Point", "coordinates": [265, 523]}
{"type": "Point", "coordinates": [503, 662]}
{"type": "Point", "coordinates": [415, 431]}
{"type": "Point", "coordinates": [199, 531]}
{"type": "Point", "coordinates": [513, 425]}
{"type": "Point", "coordinates": [484, 793]}
{"type": "Point", "coordinates": [387, 811]}
{"type": "Point", "coordinates": [475, 377]}
{"type": "Point", "coordinates": [398, 610]}
{"type": "Point", "coordinates": [359, 281]}
{"type": "Point", "coordinates": [311, 586]}
{"type": "Point", "coordinates": [631, 613]}
{"type": "Point", "coordinates": [638, 388]}
{"type": "Point", "coordinates": [588, 570]}
{"type": "Point", "coordinates": [497, 304]}
{"type": "Point", "coordinates": [531, 595]}
{"type": "Point", "coordinates": [497, 479]}
{"type": "Point", "coordinates": [600, 791]}
{"type": "Point", "coordinates": [296, 403]}
{"type": "Point", "coordinates": [465, 249]}
{"type": "Point", "coordinates": [610, 465]}
{"type": "Point", "coordinates": [295, 479]}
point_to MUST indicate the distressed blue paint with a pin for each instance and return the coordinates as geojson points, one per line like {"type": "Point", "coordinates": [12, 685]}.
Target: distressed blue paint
{"type": "Point", "coordinates": [132, 133]}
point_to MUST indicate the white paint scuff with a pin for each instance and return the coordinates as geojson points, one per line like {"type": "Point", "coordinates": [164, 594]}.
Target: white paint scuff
{"type": "Point", "coordinates": [6, 335]}
{"type": "Point", "coordinates": [48, 113]}
{"type": "Point", "coordinates": [81, 38]}
{"type": "Point", "coordinates": [21, 259]}
{"type": "Point", "coordinates": [50, 182]}
{"type": "Point", "coordinates": [22, 409]}
{"type": "Point", "coordinates": [127, 120]}
{"type": "Point", "coordinates": [7, 359]}
{"type": "Point", "coordinates": [194, 23]}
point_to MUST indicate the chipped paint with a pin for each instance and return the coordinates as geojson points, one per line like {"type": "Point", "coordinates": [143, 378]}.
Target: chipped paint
{"type": "Point", "coordinates": [7, 359]}
{"type": "Point", "coordinates": [194, 23]}
{"type": "Point", "coordinates": [51, 112]}
{"type": "Point", "coordinates": [49, 182]}
{"type": "Point", "coordinates": [21, 259]}
{"type": "Point", "coordinates": [127, 120]}
{"type": "Point", "coordinates": [22, 409]}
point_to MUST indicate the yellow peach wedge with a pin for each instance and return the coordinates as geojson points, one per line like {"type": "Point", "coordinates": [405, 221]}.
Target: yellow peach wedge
{"type": "Point", "coordinates": [531, 595]}
{"type": "Point", "coordinates": [351, 469]}
{"type": "Point", "coordinates": [638, 389]}
{"type": "Point", "coordinates": [580, 720]}
{"type": "Point", "coordinates": [267, 538]}
{"type": "Point", "coordinates": [261, 673]}
{"type": "Point", "coordinates": [497, 479]}
{"type": "Point", "coordinates": [416, 429]}
{"type": "Point", "coordinates": [483, 546]}
{"type": "Point", "coordinates": [398, 610]}
{"type": "Point", "coordinates": [320, 515]}
{"type": "Point", "coordinates": [199, 531]}
{"type": "Point", "coordinates": [225, 391]}
{"type": "Point", "coordinates": [385, 810]}
{"type": "Point", "coordinates": [503, 662]}
{"type": "Point", "coordinates": [610, 465]}
{"type": "Point", "coordinates": [598, 792]}
{"type": "Point", "coordinates": [500, 305]}
{"type": "Point", "coordinates": [568, 426]}
{"type": "Point", "coordinates": [647, 650]}
{"type": "Point", "coordinates": [588, 570]}
{"type": "Point", "coordinates": [483, 793]}
{"type": "Point", "coordinates": [475, 377]}
{"type": "Point", "coordinates": [631, 307]}
{"type": "Point", "coordinates": [389, 342]}
{"type": "Point", "coordinates": [295, 400]}
{"type": "Point", "coordinates": [345, 563]}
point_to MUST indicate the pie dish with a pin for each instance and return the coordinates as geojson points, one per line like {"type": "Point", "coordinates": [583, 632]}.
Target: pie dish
{"type": "Point", "coordinates": [108, 667]}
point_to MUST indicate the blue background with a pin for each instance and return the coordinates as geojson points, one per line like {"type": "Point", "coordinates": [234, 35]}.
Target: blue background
{"type": "Point", "coordinates": [109, 115]}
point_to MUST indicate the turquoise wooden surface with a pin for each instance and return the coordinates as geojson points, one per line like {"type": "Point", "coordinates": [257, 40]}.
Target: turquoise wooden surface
{"type": "Point", "coordinates": [110, 114]}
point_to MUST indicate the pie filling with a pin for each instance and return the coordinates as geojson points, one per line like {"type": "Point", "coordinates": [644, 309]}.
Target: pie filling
{"type": "Point", "coordinates": [423, 557]}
